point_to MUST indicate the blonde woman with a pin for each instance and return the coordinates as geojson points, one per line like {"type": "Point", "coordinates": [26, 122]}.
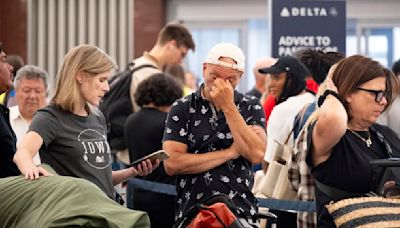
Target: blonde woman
{"type": "Point", "coordinates": [71, 132]}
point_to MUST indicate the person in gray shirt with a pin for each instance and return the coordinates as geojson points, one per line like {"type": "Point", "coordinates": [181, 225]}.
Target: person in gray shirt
{"type": "Point", "coordinates": [71, 131]}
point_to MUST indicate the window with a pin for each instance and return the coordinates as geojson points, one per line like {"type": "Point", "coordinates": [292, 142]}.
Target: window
{"type": "Point", "coordinates": [251, 37]}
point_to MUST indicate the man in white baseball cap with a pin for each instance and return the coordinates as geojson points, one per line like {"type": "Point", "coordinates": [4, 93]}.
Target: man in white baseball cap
{"type": "Point", "coordinates": [226, 50]}
{"type": "Point", "coordinates": [214, 135]}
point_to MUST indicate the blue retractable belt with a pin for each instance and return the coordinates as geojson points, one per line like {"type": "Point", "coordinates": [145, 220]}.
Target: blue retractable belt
{"type": "Point", "coordinates": [285, 205]}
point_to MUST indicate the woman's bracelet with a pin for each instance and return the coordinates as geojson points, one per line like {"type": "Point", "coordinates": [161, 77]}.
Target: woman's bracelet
{"type": "Point", "coordinates": [322, 98]}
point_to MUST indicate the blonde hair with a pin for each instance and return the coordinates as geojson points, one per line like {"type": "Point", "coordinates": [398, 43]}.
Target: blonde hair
{"type": "Point", "coordinates": [87, 59]}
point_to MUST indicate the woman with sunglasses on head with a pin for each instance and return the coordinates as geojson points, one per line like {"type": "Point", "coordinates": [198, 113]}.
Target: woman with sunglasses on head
{"type": "Point", "coordinates": [344, 135]}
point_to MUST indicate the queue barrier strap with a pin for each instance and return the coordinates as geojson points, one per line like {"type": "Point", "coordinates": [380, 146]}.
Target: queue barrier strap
{"type": "Point", "coordinates": [285, 205]}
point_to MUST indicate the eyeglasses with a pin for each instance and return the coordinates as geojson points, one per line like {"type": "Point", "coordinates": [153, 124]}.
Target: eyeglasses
{"type": "Point", "coordinates": [379, 94]}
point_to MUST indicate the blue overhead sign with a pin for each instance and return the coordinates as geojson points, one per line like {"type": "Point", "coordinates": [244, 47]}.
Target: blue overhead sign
{"type": "Point", "coordinates": [298, 24]}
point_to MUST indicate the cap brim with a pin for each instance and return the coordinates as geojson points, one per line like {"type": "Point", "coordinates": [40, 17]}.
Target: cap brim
{"type": "Point", "coordinates": [270, 70]}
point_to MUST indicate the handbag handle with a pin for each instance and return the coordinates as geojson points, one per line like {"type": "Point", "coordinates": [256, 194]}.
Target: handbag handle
{"type": "Point", "coordinates": [387, 162]}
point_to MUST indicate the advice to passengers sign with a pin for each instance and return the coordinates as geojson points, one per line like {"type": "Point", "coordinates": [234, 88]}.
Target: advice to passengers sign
{"type": "Point", "coordinates": [298, 24]}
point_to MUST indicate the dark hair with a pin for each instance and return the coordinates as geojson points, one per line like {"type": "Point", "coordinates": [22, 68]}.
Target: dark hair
{"type": "Point", "coordinates": [1, 47]}
{"type": "Point", "coordinates": [292, 87]}
{"type": "Point", "coordinates": [16, 62]}
{"type": "Point", "coordinates": [318, 62]}
{"type": "Point", "coordinates": [396, 68]}
{"type": "Point", "coordinates": [159, 89]}
{"type": "Point", "coordinates": [351, 72]}
{"type": "Point", "coordinates": [177, 32]}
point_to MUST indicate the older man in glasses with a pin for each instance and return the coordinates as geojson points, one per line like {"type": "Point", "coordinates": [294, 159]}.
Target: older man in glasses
{"type": "Point", "coordinates": [215, 135]}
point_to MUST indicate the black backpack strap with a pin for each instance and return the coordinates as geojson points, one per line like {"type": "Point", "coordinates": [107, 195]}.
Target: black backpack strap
{"type": "Point", "coordinates": [132, 68]}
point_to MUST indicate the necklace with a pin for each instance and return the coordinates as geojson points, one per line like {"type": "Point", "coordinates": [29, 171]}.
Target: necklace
{"type": "Point", "coordinates": [367, 141]}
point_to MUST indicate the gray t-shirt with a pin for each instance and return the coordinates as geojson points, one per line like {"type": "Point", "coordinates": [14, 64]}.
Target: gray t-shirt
{"type": "Point", "coordinates": [75, 145]}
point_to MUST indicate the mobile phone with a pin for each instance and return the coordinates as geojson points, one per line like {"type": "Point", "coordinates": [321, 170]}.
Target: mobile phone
{"type": "Point", "coordinates": [160, 155]}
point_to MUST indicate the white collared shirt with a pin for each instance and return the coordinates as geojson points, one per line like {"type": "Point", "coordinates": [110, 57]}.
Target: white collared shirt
{"type": "Point", "coordinates": [20, 127]}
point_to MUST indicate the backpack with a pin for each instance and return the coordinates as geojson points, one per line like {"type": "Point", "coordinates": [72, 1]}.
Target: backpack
{"type": "Point", "coordinates": [117, 105]}
{"type": "Point", "coordinates": [215, 212]}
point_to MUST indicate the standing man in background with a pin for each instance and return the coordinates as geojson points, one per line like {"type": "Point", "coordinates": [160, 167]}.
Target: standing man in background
{"type": "Point", "coordinates": [173, 43]}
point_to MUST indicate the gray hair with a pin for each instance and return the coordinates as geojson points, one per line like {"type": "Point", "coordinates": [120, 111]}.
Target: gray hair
{"type": "Point", "coordinates": [30, 72]}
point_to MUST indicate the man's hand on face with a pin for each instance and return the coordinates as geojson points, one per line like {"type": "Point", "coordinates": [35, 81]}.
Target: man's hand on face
{"type": "Point", "coordinates": [222, 94]}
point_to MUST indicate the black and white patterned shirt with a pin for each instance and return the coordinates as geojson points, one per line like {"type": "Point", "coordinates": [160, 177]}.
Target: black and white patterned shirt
{"type": "Point", "coordinates": [196, 122]}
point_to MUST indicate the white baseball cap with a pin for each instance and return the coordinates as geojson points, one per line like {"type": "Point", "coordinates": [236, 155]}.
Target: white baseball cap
{"type": "Point", "coordinates": [227, 50]}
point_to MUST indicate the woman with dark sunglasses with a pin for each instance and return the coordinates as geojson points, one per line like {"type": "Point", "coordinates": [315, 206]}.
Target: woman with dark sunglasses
{"type": "Point", "coordinates": [344, 135]}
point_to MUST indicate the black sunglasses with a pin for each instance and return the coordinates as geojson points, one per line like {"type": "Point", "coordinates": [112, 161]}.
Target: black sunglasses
{"type": "Point", "coordinates": [379, 94]}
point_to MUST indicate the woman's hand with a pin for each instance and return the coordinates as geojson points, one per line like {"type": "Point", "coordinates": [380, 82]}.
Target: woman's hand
{"type": "Point", "coordinates": [35, 172]}
{"type": "Point", "coordinates": [330, 85]}
{"type": "Point", "coordinates": [144, 168]}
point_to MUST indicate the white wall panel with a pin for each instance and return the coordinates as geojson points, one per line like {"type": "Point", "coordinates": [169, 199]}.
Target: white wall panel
{"type": "Point", "coordinates": [55, 26]}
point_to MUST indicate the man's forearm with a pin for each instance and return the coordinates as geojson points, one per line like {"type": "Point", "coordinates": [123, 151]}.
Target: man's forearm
{"type": "Point", "coordinates": [250, 145]}
{"type": "Point", "coordinates": [187, 163]}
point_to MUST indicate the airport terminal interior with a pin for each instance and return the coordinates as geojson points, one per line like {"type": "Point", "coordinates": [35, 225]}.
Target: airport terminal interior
{"type": "Point", "coordinates": [372, 28]}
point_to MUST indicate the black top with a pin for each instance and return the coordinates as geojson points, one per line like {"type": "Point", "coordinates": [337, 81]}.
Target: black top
{"type": "Point", "coordinates": [348, 167]}
{"type": "Point", "coordinates": [254, 92]}
{"type": "Point", "coordinates": [195, 122]}
{"type": "Point", "coordinates": [7, 145]}
{"type": "Point", "coordinates": [143, 135]}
